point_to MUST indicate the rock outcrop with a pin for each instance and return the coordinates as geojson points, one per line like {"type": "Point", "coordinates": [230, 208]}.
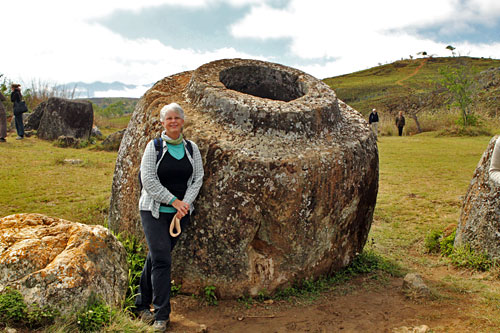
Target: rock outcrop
{"type": "Point", "coordinates": [113, 141]}
{"type": "Point", "coordinates": [66, 117]}
{"type": "Point", "coordinates": [60, 263]}
{"type": "Point", "coordinates": [33, 121]}
{"type": "Point", "coordinates": [291, 176]}
{"type": "Point", "coordinates": [479, 224]}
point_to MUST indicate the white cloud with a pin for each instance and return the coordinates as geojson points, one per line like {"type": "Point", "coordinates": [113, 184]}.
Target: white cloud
{"type": "Point", "coordinates": [57, 41]}
{"type": "Point", "coordinates": [62, 46]}
{"type": "Point", "coordinates": [360, 34]}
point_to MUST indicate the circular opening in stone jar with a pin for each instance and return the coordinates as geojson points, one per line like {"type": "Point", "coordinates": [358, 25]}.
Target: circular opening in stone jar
{"type": "Point", "coordinates": [263, 82]}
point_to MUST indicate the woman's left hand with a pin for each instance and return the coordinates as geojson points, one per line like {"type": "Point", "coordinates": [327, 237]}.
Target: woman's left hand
{"type": "Point", "coordinates": [182, 208]}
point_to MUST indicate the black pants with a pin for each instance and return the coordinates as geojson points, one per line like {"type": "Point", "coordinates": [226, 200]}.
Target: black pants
{"type": "Point", "coordinates": [400, 130]}
{"type": "Point", "coordinates": [19, 125]}
{"type": "Point", "coordinates": [154, 286]}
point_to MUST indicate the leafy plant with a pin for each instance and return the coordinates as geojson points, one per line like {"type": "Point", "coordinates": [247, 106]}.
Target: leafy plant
{"type": "Point", "coordinates": [432, 241]}
{"type": "Point", "coordinates": [41, 316]}
{"type": "Point", "coordinates": [446, 244]}
{"type": "Point", "coordinates": [14, 311]}
{"type": "Point", "coordinates": [12, 306]}
{"type": "Point", "coordinates": [94, 316]}
{"type": "Point", "coordinates": [136, 258]}
{"type": "Point", "coordinates": [467, 257]}
{"type": "Point", "coordinates": [209, 295]}
{"type": "Point", "coordinates": [175, 288]}
{"type": "Point", "coordinates": [459, 82]}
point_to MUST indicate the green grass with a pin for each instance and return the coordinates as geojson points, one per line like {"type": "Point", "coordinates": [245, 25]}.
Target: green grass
{"type": "Point", "coordinates": [35, 179]}
{"type": "Point", "coordinates": [422, 182]}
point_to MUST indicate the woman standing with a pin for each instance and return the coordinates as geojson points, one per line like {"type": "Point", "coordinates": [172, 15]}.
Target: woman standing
{"type": "Point", "coordinates": [400, 122]}
{"type": "Point", "coordinates": [170, 185]}
{"type": "Point", "coordinates": [495, 164]}
{"type": "Point", "coordinates": [16, 97]}
{"type": "Point", "coordinates": [3, 119]}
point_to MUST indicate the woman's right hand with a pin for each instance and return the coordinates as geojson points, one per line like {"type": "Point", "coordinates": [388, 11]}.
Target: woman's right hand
{"type": "Point", "coordinates": [182, 208]}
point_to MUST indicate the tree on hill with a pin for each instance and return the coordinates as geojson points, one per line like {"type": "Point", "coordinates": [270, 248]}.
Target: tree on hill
{"type": "Point", "coordinates": [412, 103]}
{"type": "Point", "coordinates": [460, 88]}
{"type": "Point", "coordinates": [452, 49]}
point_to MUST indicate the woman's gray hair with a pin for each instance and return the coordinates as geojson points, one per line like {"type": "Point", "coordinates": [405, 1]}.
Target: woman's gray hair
{"type": "Point", "coordinates": [171, 107]}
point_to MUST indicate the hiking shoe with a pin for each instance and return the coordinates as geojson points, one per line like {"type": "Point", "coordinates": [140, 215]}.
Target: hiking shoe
{"type": "Point", "coordinates": [19, 138]}
{"type": "Point", "coordinates": [3, 140]}
{"type": "Point", "coordinates": [160, 326]}
{"type": "Point", "coordinates": [146, 316]}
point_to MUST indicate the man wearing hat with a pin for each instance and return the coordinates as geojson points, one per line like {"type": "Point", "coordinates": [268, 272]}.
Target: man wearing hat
{"type": "Point", "coordinates": [373, 121]}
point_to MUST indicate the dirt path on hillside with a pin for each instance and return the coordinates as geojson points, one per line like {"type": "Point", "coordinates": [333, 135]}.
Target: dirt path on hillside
{"type": "Point", "coordinates": [422, 63]}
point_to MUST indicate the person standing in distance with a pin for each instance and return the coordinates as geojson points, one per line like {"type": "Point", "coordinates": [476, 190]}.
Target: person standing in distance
{"type": "Point", "coordinates": [16, 97]}
{"type": "Point", "coordinates": [400, 122]}
{"type": "Point", "coordinates": [170, 185]}
{"type": "Point", "coordinates": [3, 119]}
{"type": "Point", "coordinates": [373, 121]}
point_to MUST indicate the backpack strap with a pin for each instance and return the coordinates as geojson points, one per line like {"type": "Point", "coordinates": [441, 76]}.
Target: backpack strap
{"type": "Point", "coordinates": [159, 148]}
{"type": "Point", "coordinates": [189, 147]}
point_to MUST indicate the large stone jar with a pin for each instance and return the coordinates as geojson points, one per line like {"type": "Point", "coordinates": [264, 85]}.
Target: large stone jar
{"type": "Point", "coordinates": [291, 176]}
{"type": "Point", "coordinates": [479, 224]}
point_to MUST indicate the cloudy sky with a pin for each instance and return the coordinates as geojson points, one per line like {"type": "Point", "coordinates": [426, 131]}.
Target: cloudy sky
{"type": "Point", "coordinates": [141, 41]}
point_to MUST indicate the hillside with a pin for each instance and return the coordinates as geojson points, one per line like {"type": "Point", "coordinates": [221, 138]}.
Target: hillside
{"type": "Point", "coordinates": [385, 85]}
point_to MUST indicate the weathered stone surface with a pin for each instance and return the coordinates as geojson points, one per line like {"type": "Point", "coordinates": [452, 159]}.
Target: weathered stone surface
{"type": "Point", "coordinates": [67, 141]}
{"type": "Point", "coordinates": [479, 224]}
{"type": "Point", "coordinates": [112, 141]}
{"type": "Point", "coordinates": [291, 176]}
{"type": "Point", "coordinates": [33, 121]}
{"type": "Point", "coordinates": [60, 263]}
{"type": "Point", "coordinates": [66, 117]}
{"type": "Point", "coordinates": [415, 284]}
{"type": "Point", "coordinates": [96, 132]}
{"type": "Point", "coordinates": [414, 329]}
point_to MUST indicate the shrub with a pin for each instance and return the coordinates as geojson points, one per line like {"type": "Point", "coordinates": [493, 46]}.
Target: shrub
{"type": "Point", "coordinates": [209, 295]}
{"type": "Point", "coordinates": [135, 258]}
{"type": "Point", "coordinates": [14, 311]}
{"type": "Point", "coordinates": [12, 306]}
{"type": "Point", "coordinates": [467, 257]}
{"type": "Point", "coordinates": [41, 316]}
{"type": "Point", "coordinates": [432, 242]}
{"type": "Point", "coordinates": [446, 244]}
{"type": "Point", "coordinates": [94, 316]}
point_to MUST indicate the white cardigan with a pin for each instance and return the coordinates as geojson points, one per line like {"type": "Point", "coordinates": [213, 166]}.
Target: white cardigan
{"type": "Point", "coordinates": [495, 164]}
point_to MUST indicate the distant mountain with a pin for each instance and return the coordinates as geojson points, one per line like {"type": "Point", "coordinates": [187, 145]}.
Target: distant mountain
{"type": "Point", "coordinates": [105, 89]}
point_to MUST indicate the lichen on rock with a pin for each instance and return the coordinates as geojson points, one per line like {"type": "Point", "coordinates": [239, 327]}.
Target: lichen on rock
{"type": "Point", "coordinates": [479, 224]}
{"type": "Point", "coordinates": [291, 176]}
{"type": "Point", "coordinates": [60, 263]}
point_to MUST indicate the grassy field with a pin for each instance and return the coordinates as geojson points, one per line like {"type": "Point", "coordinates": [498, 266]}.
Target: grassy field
{"type": "Point", "coordinates": [423, 179]}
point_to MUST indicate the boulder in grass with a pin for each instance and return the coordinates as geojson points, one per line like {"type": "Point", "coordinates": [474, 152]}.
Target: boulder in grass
{"type": "Point", "coordinates": [59, 263]}
{"type": "Point", "coordinates": [66, 117]}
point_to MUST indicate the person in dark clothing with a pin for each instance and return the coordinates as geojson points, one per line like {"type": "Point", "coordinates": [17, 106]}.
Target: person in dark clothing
{"type": "Point", "coordinates": [170, 185]}
{"type": "Point", "coordinates": [373, 121]}
{"type": "Point", "coordinates": [3, 119]}
{"type": "Point", "coordinates": [16, 97]}
{"type": "Point", "coordinates": [400, 122]}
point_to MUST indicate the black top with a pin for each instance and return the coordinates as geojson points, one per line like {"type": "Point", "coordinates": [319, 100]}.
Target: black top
{"type": "Point", "coordinates": [373, 117]}
{"type": "Point", "coordinates": [174, 174]}
{"type": "Point", "coordinates": [15, 96]}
